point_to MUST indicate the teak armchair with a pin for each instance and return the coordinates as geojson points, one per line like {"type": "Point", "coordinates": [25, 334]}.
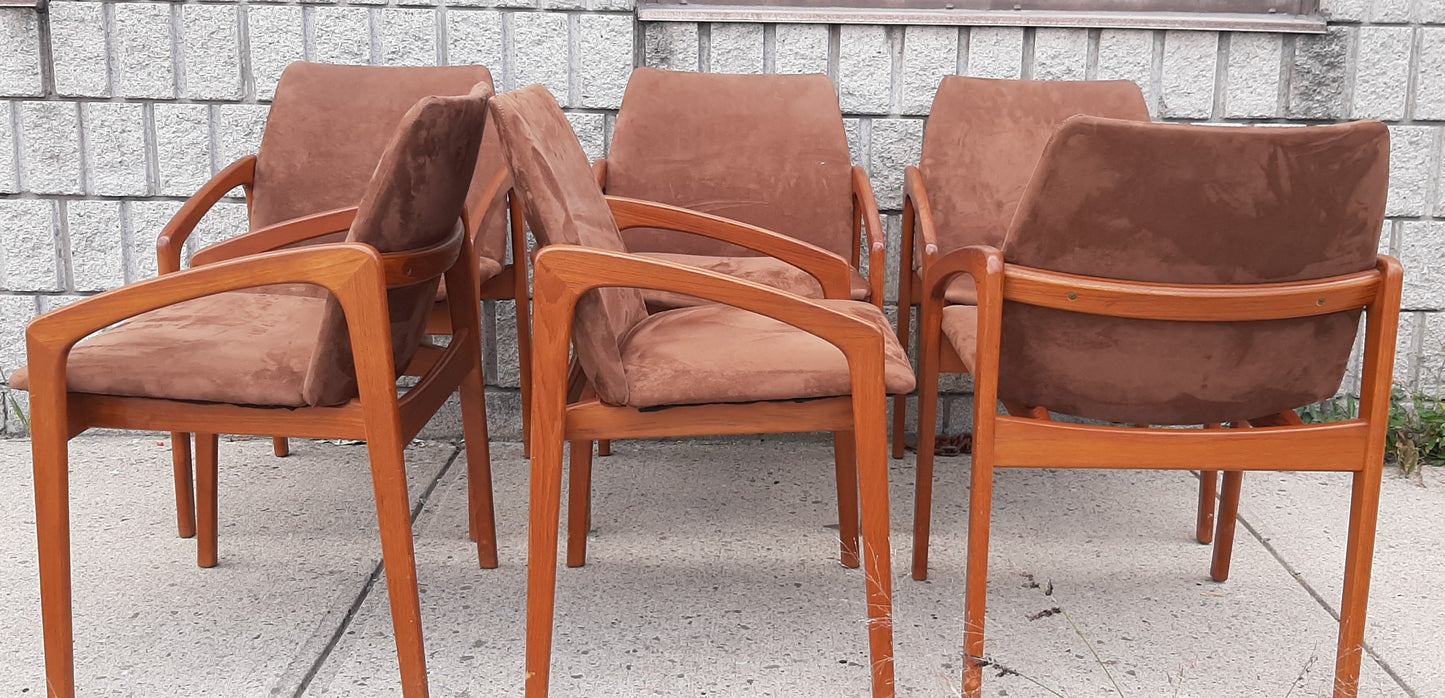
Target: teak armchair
{"type": "Point", "coordinates": [982, 141]}
{"type": "Point", "coordinates": [325, 132]}
{"type": "Point", "coordinates": [810, 365]}
{"type": "Point", "coordinates": [1175, 275]}
{"type": "Point", "coordinates": [199, 353]}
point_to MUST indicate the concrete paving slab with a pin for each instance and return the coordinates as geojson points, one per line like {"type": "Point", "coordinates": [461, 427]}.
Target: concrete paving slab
{"type": "Point", "coordinates": [298, 543]}
{"type": "Point", "coordinates": [1305, 518]}
{"type": "Point", "coordinates": [712, 571]}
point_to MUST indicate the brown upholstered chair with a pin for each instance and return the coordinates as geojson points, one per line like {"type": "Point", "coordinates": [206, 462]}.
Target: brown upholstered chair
{"type": "Point", "coordinates": [1174, 275]}
{"type": "Point", "coordinates": [752, 360]}
{"type": "Point", "coordinates": [197, 354]}
{"type": "Point", "coordinates": [324, 134]}
{"type": "Point", "coordinates": [983, 139]}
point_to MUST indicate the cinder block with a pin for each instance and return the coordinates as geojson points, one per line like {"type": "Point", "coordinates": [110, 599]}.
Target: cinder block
{"type": "Point", "coordinates": [239, 128]}
{"type": "Point", "coordinates": [611, 5]}
{"type": "Point", "coordinates": [341, 35]}
{"type": "Point", "coordinates": [1430, 11]}
{"type": "Point", "coordinates": [736, 48]}
{"type": "Point", "coordinates": [1430, 361]}
{"type": "Point", "coordinates": [50, 156]}
{"type": "Point", "coordinates": [28, 245]}
{"type": "Point", "coordinates": [142, 45]}
{"type": "Point", "coordinates": [1382, 73]}
{"type": "Point", "coordinates": [474, 37]}
{"type": "Point", "coordinates": [97, 260]}
{"type": "Point", "coordinates": [408, 37]}
{"type": "Point", "coordinates": [494, 3]}
{"type": "Point", "coordinates": [1128, 54]}
{"type": "Point", "coordinates": [144, 221]}
{"type": "Point", "coordinates": [670, 45]}
{"type": "Point", "coordinates": [115, 152]}
{"type": "Point", "coordinates": [1317, 82]}
{"type": "Point", "coordinates": [1430, 75]}
{"type": "Point", "coordinates": [1252, 90]}
{"type": "Point", "coordinates": [507, 373]}
{"type": "Point", "coordinates": [277, 39]}
{"type": "Point", "coordinates": [540, 52]}
{"type": "Point", "coordinates": [894, 145]}
{"type": "Point", "coordinates": [865, 69]}
{"type": "Point", "coordinates": [18, 311]}
{"type": "Point", "coordinates": [1413, 150]}
{"type": "Point", "coordinates": [211, 65]}
{"type": "Point", "coordinates": [604, 61]}
{"type": "Point", "coordinates": [1344, 10]}
{"type": "Point", "coordinates": [1061, 54]}
{"type": "Point", "coordinates": [224, 221]}
{"type": "Point", "coordinates": [19, 54]}
{"type": "Point", "coordinates": [1422, 252]}
{"type": "Point", "coordinates": [591, 131]}
{"type": "Point", "coordinates": [1187, 90]}
{"type": "Point", "coordinates": [1390, 11]}
{"type": "Point", "coordinates": [800, 48]}
{"type": "Point", "coordinates": [9, 175]}
{"type": "Point", "coordinates": [853, 128]}
{"type": "Point", "coordinates": [183, 147]}
{"type": "Point", "coordinates": [77, 49]}
{"type": "Point", "coordinates": [929, 53]}
{"type": "Point", "coordinates": [996, 52]}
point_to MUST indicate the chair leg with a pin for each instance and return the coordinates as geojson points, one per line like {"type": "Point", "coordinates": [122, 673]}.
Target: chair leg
{"type": "Point", "coordinates": [927, 426]}
{"type": "Point", "coordinates": [845, 464]}
{"type": "Point", "coordinates": [185, 489]}
{"type": "Point", "coordinates": [281, 446]}
{"type": "Point", "coordinates": [980, 515]}
{"type": "Point", "coordinates": [207, 517]}
{"type": "Point", "coordinates": [900, 402]}
{"type": "Point", "coordinates": [393, 513]}
{"type": "Point", "coordinates": [1204, 522]}
{"type": "Point", "coordinates": [1364, 512]}
{"type": "Point", "coordinates": [524, 365]}
{"type": "Point", "coordinates": [481, 517]}
{"type": "Point", "coordinates": [546, 503]}
{"type": "Point", "coordinates": [579, 502]}
{"type": "Point", "coordinates": [604, 447]}
{"type": "Point", "coordinates": [1224, 527]}
{"type": "Point", "coordinates": [52, 527]}
{"type": "Point", "coordinates": [871, 434]}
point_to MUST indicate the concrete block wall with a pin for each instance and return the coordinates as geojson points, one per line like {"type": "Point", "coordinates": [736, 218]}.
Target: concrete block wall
{"type": "Point", "coordinates": [111, 112]}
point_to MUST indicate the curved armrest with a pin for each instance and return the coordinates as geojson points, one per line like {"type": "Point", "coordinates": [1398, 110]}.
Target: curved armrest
{"type": "Point", "coordinates": [274, 237]}
{"type": "Point", "coordinates": [865, 204]}
{"type": "Point", "coordinates": [982, 262]}
{"type": "Point", "coordinates": [241, 173]}
{"type": "Point", "coordinates": [915, 198]}
{"type": "Point", "coordinates": [832, 272]}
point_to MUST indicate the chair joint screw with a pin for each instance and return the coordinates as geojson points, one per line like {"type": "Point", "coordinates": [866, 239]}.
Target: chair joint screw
{"type": "Point", "coordinates": [1073, 296]}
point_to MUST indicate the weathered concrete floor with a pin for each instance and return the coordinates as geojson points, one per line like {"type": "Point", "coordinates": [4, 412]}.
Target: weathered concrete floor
{"type": "Point", "coordinates": [712, 572]}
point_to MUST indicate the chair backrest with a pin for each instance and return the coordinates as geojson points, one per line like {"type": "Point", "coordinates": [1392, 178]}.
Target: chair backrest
{"type": "Point", "coordinates": [985, 136]}
{"type": "Point", "coordinates": [328, 126]}
{"type": "Point", "coordinates": [564, 206]}
{"type": "Point", "coordinates": [1191, 205]}
{"type": "Point", "coordinates": [769, 150]}
{"type": "Point", "coordinates": [414, 201]}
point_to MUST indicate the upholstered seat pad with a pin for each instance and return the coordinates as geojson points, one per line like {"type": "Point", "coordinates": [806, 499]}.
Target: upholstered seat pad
{"type": "Point", "coordinates": [960, 328]}
{"type": "Point", "coordinates": [769, 271]}
{"type": "Point", "coordinates": [240, 348]}
{"type": "Point", "coordinates": [717, 353]}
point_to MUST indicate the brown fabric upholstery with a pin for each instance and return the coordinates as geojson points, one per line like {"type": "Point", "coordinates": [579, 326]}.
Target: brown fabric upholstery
{"type": "Point", "coordinates": [413, 201]}
{"type": "Point", "coordinates": [768, 271]}
{"type": "Point", "coordinates": [1191, 205]}
{"type": "Point", "coordinates": [241, 348]}
{"type": "Point", "coordinates": [328, 127]}
{"type": "Point", "coordinates": [960, 328]}
{"type": "Point", "coordinates": [717, 353]}
{"type": "Point", "coordinates": [982, 142]}
{"type": "Point", "coordinates": [564, 206]}
{"type": "Point", "coordinates": [769, 150]}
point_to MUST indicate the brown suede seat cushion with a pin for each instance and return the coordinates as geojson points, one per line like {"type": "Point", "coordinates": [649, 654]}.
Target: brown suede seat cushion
{"type": "Point", "coordinates": [717, 353]}
{"type": "Point", "coordinates": [960, 328]}
{"type": "Point", "coordinates": [768, 271]}
{"type": "Point", "coordinates": [238, 348]}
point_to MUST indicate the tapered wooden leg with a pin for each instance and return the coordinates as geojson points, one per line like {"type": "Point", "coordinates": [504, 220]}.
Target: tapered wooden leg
{"type": "Point", "coordinates": [927, 426]}
{"type": "Point", "coordinates": [481, 518]}
{"type": "Point", "coordinates": [281, 446]}
{"type": "Point", "coordinates": [980, 515]}
{"type": "Point", "coordinates": [1224, 530]}
{"type": "Point", "coordinates": [52, 530]}
{"type": "Point", "coordinates": [846, 466]}
{"type": "Point", "coordinates": [546, 504]}
{"type": "Point", "coordinates": [1204, 523]}
{"type": "Point", "coordinates": [185, 489]}
{"type": "Point", "coordinates": [900, 402]}
{"type": "Point", "coordinates": [393, 513]}
{"type": "Point", "coordinates": [579, 502]}
{"type": "Point", "coordinates": [870, 425]}
{"type": "Point", "coordinates": [207, 516]}
{"type": "Point", "coordinates": [604, 447]}
{"type": "Point", "coordinates": [1359, 557]}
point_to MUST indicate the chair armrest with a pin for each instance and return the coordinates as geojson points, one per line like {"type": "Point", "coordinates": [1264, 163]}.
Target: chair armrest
{"type": "Point", "coordinates": [599, 172]}
{"type": "Point", "coordinates": [915, 199]}
{"type": "Point", "coordinates": [832, 272]}
{"type": "Point", "coordinates": [241, 173]}
{"type": "Point", "coordinates": [979, 261]}
{"type": "Point", "coordinates": [865, 204]}
{"type": "Point", "coordinates": [274, 237]}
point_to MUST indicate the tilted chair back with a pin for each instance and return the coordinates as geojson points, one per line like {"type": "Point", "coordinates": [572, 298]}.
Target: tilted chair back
{"type": "Point", "coordinates": [1191, 205]}
{"type": "Point", "coordinates": [412, 202]}
{"type": "Point", "coordinates": [769, 150]}
{"type": "Point", "coordinates": [564, 206]}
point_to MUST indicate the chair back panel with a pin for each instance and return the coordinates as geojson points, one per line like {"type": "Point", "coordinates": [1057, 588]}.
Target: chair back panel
{"type": "Point", "coordinates": [328, 126]}
{"type": "Point", "coordinates": [984, 138]}
{"type": "Point", "coordinates": [564, 206]}
{"type": "Point", "coordinates": [1191, 205]}
{"type": "Point", "coordinates": [414, 201]}
{"type": "Point", "coordinates": [769, 150]}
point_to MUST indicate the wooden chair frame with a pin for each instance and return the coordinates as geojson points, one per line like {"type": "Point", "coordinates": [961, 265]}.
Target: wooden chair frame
{"type": "Point", "coordinates": [563, 273]}
{"type": "Point", "coordinates": [358, 276]}
{"type": "Point", "coordinates": [1271, 443]}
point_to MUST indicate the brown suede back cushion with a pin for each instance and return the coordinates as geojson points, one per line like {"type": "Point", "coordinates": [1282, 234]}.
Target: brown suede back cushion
{"type": "Point", "coordinates": [564, 206]}
{"type": "Point", "coordinates": [763, 149]}
{"type": "Point", "coordinates": [328, 127]}
{"type": "Point", "coordinates": [1191, 205]}
{"type": "Point", "coordinates": [414, 201]}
